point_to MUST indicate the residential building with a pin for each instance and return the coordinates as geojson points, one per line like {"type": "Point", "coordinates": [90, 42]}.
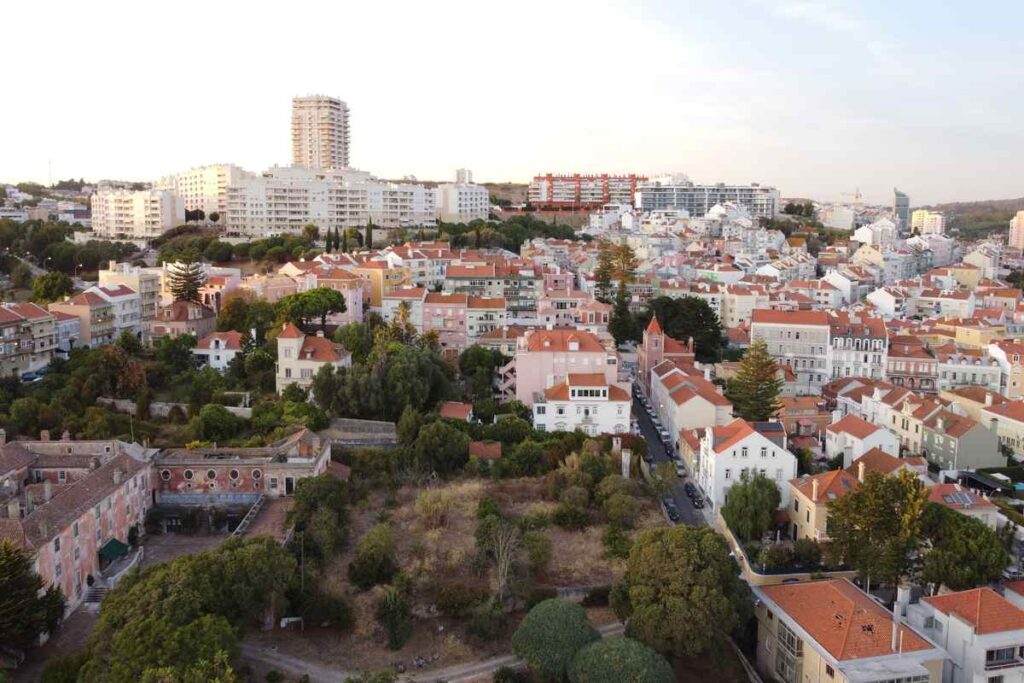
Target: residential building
{"type": "Point", "coordinates": [1016, 237]}
{"type": "Point", "coordinates": [675, 193]}
{"type": "Point", "coordinates": [973, 400]}
{"type": "Point", "coordinates": [456, 410]}
{"type": "Point", "coordinates": [858, 346]}
{"type": "Point", "coordinates": [578, 192]}
{"type": "Point", "coordinates": [804, 415]}
{"type": "Point", "coordinates": [927, 222]}
{"type": "Point", "coordinates": [125, 305]}
{"type": "Point", "coordinates": [852, 437]}
{"type": "Point", "coordinates": [320, 132]}
{"type": "Point", "coordinates": [981, 632]}
{"type": "Point", "coordinates": [810, 496]}
{"type": "Point", "coordinates": [956, 442]}
{"type": "Point", "coordinates": [139, 215]}
{"type": "Point", "coordinates": [409, 298]}
{"type": "Point", "coordinates": [204, 188]}
{"type": "Point", "coordinates": [379, 279]}
{"type": "Point", "coordinates": [966, 502]}
{"type": "Point", "coordinates": [144, 281]}
{"type": "Point", "coordinates": [797, 339]}
{"type": "Point", "coordinates": [685, 402]}
{"type": "Point", "coordinates": [70, 505]}
{"type": "Point", "coordinates": [728, 451]}
{"type": "Point", "coordinates": [901, 210]}
{"type": "Point", "coordinates": [462, 202]}
{"type": "Point", "coordinates": [830, 631]}
{"type": "Point", "coordinates": [28, 338]}
{"type": "Point", "coordinates": [658, 347]}
{"type": "Point", "coordinates": [1009, 353]}
{"type": "Point", "coordinates": [446, 315]}
{"type": "Point", "coordinates": [218, 475]}
{"type": "Point", "coordinates": [182, 317]}
{"type": "Point", "coordinates": [483, 315]}
{"type": "Point", "coordinates": [67, 331]}
{"type": "Point", "coordinates": [544, 358]}
{"type": "Point", "coordinates": [300, 357]}
{"type": "Point", "coordinates": [1009, 418]}
{"type": "Point", "coordinates": [218, 349]}
{"type": "Point", "coordinates": [739, 302]}
{"type": "Point", "coordinates": [963, 367]}
{"type": "Point", "coordinates": [584, 402]}
{"type": "Point", "coordinates": [911, 364]}
{"type": "Point", "coordinates": [95, 315]}
{"type": "Point", "coordinates": [520, 283]}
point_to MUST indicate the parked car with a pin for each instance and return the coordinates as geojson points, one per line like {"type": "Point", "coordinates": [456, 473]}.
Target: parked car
{"type": "Point", "coordinates": [673, 514]}
{"type": "Point", "coordinates": [690, 490]}
{"type": "Point", "coordinates": [30, 377]}
{"type": "Point", "coordinates": [680, 471]}
{"type": "Point", "coordinates": [1013, 574]}
{"type": "Point", "coordinates": [698, 502]}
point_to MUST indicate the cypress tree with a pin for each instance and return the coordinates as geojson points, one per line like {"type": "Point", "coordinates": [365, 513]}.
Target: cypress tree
{"type": "Point", "coordinates": [755, 390]}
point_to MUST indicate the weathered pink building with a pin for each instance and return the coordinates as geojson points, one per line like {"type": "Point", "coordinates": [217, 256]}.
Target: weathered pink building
{"type": "Point", "coordinates": [70, 505]}
{"type": "Point", "coordinates": [446, 315]}
{"type": "Point", "coordinates": [545, 358]}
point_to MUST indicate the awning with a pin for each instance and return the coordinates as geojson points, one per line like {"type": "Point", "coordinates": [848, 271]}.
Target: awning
{"type": "Point", "coordinates": [113, 549]}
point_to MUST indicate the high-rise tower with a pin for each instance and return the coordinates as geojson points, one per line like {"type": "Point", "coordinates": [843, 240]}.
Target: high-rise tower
{"type": "Point", "coordinates": [320, 134]}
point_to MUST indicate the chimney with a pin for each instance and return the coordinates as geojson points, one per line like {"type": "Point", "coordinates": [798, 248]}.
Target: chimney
{"type": "Point", "coordinates": [111, 264]}
{"type": "Point", "coordinates": [320, 333]}
{"type": "Point", "coordinates": [860, 472]}
{"type": "Point", "coordinates": [47, 491]}
{"type": "Point", "coordinates": [988, 398]}
{"type": "Point", "coordinates": [814, 490]}
{"type": "Point", "coordinates": [44, 435]}
{"type": "Point", "coordinates": [66, 436]}
{"type": "Point", "coordinates": [707, 373]}
{"type": "Point", "coordinates": [117, 475]}
{"type": "Point", "coordinates": [837, 415]}
{"type": "Point", "coordinates": [14, 508]}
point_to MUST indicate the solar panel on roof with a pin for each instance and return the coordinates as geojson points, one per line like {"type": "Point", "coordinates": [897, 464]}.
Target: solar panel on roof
{"type": "Point", "coordinates": [958, 498]}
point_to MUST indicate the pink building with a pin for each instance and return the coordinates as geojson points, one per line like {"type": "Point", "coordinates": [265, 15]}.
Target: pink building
{"type": "Point", "coordinates": [70, 505]}
{"type": "Point", "coordinates": [545, 358]}
{"type": "Point", "coordinates": [351, 287]}
{"type": "Point", "coordinates": [270, 288]}
{"type": "Point", "coordinates": [446, 315]}
{"type": "Point", "coordinates": [558, 280]}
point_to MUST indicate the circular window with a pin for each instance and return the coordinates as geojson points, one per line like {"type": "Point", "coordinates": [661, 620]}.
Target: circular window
{"type": "Point", "coordinates": [188, 475]}
{"type": "Point", "coordinates": [211, 474]}
{"type": "Point", "coordinates": [256, 474]}
{"type": "Point", "coordinates": [165, 475]}
{"type": "Point", "coordinates": [233, 474]}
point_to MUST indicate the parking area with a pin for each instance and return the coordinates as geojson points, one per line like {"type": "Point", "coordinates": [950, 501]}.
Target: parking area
{"type": "Point", "coordinates": [164, 547]}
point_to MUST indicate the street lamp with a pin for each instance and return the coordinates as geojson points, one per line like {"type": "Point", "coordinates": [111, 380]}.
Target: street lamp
{"type": "Point", "coordinates": [77, 268]}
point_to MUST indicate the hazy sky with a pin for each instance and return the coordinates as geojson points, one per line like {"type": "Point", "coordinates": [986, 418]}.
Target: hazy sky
{"type": "Point", "coordinates": [812, 96]}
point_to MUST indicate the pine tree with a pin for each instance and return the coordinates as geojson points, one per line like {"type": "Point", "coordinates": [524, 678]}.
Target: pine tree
{"type": "Point", "coordinates": [369, 233]}
{"type": "Point", "coordinates": [185, 280]}
{"type": "Point", "coordinates": [343, 244]}
{"type": "Point", "coordinates": [755, 390]}
{"type": "Point", "coordinates": [622, 325]}
{"type": "Point", "coordinates": [328, 242]}
{"type": "Point", "coordinates": [603, 274]}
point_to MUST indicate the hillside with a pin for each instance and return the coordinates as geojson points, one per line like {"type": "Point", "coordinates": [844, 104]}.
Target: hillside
{"type": "Point", "coordinates": [514, 193]}
{"type": "Point", "coordinates": [979, 219]}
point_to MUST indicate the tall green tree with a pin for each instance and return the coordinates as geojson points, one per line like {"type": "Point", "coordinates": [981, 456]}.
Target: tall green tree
{"type": "Point", "coordinates": [682, 592]}
{"type": "Point", "coordinates": [441, 448]}
{"type": "Point", "coordinates": [756, 388]}
{"type": "Point", "coordinates": [550, 636]}
{"type": "Point", "coordinates": [750, 505]}
{"type": "Point", "coordinates": [24, 614]}
{"type": "Point", "coordinates": [687, 317]}
{"type": "Point", "coordinates": [603, 273]}
{"type": "Point", "coordinates": [622, 325]}
{"type": "Point", "coordinates": [369, 234]}
{"type": "Point", "coordinates": [876, 529]}
{"type": "Point", "coordinates": [51, 286]}
{"type": "Point", "coordinates": [185, 280]}
{"type": "Point", "coordinates": [961, 552]}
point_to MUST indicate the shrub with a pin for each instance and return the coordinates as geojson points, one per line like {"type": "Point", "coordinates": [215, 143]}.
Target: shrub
{"type": "Point", "coordinates": [612, 660]}
{"type": "Point", "coordinates": [550, 636]}
{"type": "Point", "coordinates": [575, 496]}
{"type": "Point", "coordinates": [374, 559]}
{"type": "Point", "coordinates": [807, 552]}
{"type": "Point", "coordinates": [775, 556]}
{"type": "Point", "coordinates": [63, 669]}
{"type": "Point", "coordinates": [621, 509]}
{"type": "Point", "coordinates": [394, 615]}
{"type": "Point", "coordinates": [274, 676]}
{"type": "Point", "coordinates": [458, 599]}
{"type": "Point", "coordinates": [507, 675]}
{"type": "Point", "coordinates": [539, 595]}
{"type": "Point", "coordinates": [538, 549]}
{"type": "Point", "coordinates": [613, 484]}
{"type": "Point", "coordinates": [487, 507]}
{"type": "Point", "coordinates": [488, 622]}
{"type": "Point", "coordinates": [433, 507]}
{"type": "Point", "coordinates": [616, 543]}
{"type": "Point", "coordinates": [570, 517]}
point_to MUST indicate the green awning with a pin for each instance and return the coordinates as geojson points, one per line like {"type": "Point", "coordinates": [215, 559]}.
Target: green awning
{"type": "Point", "coordinates": [113, 549]}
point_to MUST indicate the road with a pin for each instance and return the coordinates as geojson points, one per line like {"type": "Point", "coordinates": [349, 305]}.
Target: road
{"type": "Point", "coordinates": [687, 513]}
{"type": "Point", "coordinates": [460, 673]}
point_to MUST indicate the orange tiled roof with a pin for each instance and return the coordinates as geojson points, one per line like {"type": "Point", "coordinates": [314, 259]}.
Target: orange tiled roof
{"type": "Point", "coordinates": [455, 410]}
{"type": "Point", "coordinates": [854, 426]}
{"type": "Point", "coordinates": [831, 485]}
{"type": "Point", "coordinates": [983, 608]}
{"type": "Point", "coordinates": [957, 497]}
{"type": "Point", "coordinates": [761, 315]}
{"type": "Point", "coordinates": [842, 619]}
{"type": "Point", "coordinates": [559, 340]}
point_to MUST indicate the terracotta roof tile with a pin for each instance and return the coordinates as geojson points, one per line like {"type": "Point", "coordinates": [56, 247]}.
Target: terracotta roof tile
{"type": "Point", "coordinates": [983, 608]}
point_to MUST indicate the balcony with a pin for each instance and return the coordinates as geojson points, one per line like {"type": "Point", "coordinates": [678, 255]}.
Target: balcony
{"type": "Point", "coordinates": [1002, 664]}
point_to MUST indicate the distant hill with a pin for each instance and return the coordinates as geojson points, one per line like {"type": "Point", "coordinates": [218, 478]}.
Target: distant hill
{"type": "Point", "coordinates": [979, 219]}
{"type": "Point", "coordinates": [514, 193]}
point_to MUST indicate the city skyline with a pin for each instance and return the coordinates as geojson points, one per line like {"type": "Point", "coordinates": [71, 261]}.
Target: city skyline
{"type": "Point", "coordinates": [651, 89]}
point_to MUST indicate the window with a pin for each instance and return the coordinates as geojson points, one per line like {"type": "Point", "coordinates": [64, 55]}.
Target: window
{"type": "Point", "coordinates": [764, 452]}
{"type": "Point", "coordinates": [1002, 655]}
{"type": "Point", "coordinates": [273, 483]}
{"type": "Point", "coordinates": [728, 473]}
{"type": "Point", "coordinates": [74, 530]}
{"type": "Point", "coordinates": [829, 671]}
{"type": "Point", "coordinates": [77, 553]}
{"type": "Point", "coordinates": [233, 474]}
{"type": "Point", "coordinates": [796, 505]}
{"type": "Point", "coordinates": [56, 545]}
{"type": "Point", "coordinates": [165, 475]}
{"type": "Point", "coordinates": [62, 476]}
{"type": "Point", "coordinates": [288, 373]}
{"type": "Point", "coordinates": [256, 474]}
{"type": "Point", "coordinates": [743, 452]}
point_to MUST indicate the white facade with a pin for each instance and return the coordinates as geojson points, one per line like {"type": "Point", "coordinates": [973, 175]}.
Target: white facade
{"type": "Point", "coordinates": [725, 452]}
{"type": "Point", "coordinates": [853, 437]}
{"type": "Point", "coordinates": [928, 222]}
{"type": "Point", "coordinates": [135, 215]}
{"type": "Point", "coordinates": [320, 132]}
{"type": "Point", "coordinates": [283, 200]}
{"type": "Point", "coordinates": [678, 192]}
{"type": "Point", "coordinates": [584, 402]}
{"type": "Point", "coordinates": [204, 187]}
{"type": "Point", "coordinates": [144, 281]}
{"type": "Point", "coordinates": [126, 305]}
{"type": "Point", "coordinates": [462, 202]}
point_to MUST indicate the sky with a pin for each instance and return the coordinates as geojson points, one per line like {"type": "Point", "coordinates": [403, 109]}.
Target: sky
{"type": "Point", "coordinates": [815, 97]}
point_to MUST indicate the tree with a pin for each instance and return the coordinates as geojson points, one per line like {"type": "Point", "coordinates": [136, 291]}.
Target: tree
{"type": "Point", "coordinates": [185, 280]}
{"type": "Point", "coordinates": [24, 615]}
{"type": "Point", "coordinates": [441, 448]}
{"type": "Point", "coordinates": [409, 426]}
{"type": "Point", "coordinates": [394, 614]}
{"type": "Point", "coordinates": [681, 591]}
{"type": "Point", "coordinates": [618, 660]}
{"type": "Point", "coordinates": [876, 528]}
{"type": "Point", "coordinates": [755, 390]}
{"type": "Point", "coordinates": [214, 216]}
{"type": "Point", "coordinates": [550, 636]}
{"type": "Point", "coordinates": [750, 505]}
{"type": "Point", "coordinates": [310, 232]}
{"type": "Point", "coordinates": [129, 342]}
{"type": "Point", "coordinates": [217, 423]}
{"type": "Point", "coordinates": [369, 234]}
{"type": "Point", "coordinates": [962, 552]}
{"type": "Point", "coordinates": [687, 317]}
{"type": "Point", "coordinates": [603, 274]}
{"type": "Point", "coordinates": [374, 560]}
{"type": "Point", "coordinates": [622, 325]}
{"type": "Point", "coordinates": [323, 301]}
{"type": "Point", "coordinates": [21, 275]}
{"type": "Point", "coordinates": [505, 543]}
{"type": "Point", "coordinates": [51, 286]}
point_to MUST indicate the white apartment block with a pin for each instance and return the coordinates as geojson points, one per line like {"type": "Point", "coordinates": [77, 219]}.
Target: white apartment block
{"type": "Point", "coordinates": [928, 222]}
{"type": "Point", "coordinates": [858, 346]}
{"type": "Point", "coordinates": [283, 200]}
{"type": "Point", "coordinates": [144, 281]}
{"type": "Point", "coordinates": [135, 215]}
{"type": "Point", "coordinates": [126, 308]}
{"type": "Point", "coordinates": [320, 132]}
{"type": "Point", "coordinates": [462, 202]}
{"type": "Point", "coordinates": [204, 187]}
{"type": "Point", "coordinates": [678, 192]}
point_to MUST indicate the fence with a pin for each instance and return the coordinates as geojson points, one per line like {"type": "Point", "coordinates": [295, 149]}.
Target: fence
{"type": "Point", "coordinates": [160, 408]}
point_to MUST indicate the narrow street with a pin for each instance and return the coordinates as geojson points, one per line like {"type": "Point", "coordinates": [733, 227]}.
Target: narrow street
{"type": "Point", "coordinates": [687, 513]}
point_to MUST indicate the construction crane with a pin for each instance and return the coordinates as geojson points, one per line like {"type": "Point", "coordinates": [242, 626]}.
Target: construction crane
{"type": "Point", "coordinates": [857, 197]}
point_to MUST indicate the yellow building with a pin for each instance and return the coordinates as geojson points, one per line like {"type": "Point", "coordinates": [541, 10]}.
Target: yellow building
{"type": "Point", "coordinates": [965, 274]}
{"type": "Point", "coordinates": [811, 496]}
{"type": "Point", "coordinates": [832, 632]}
{"type": "Point", "coordinates": [379, 279]}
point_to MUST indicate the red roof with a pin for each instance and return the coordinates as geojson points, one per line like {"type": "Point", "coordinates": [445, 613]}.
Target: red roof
{"type": "Point", "coordinates": [290, 332]}
{"type": "Point", "coordinates": [321, 350]}
{"type": "Point", "coordinates": [485, 450]}
{"type": "Point", "coordinates": [957, 497]}
{"type": "Point", "coordinates": [831, 485]}
{"type": "Point", "coordinates": [761, 315]}
{"type": "Point", "coordinates": [854, 426]}
{"type": "Point", "coordinates": [230, 340]}
{"type": "Point", "coordinates": [455, 410]}
{"type": "Point", "coordinates": [654, 327]}
{"type": "Point", "coordinates": [983, 608]}
{"type": "Point", "coordinates": [560, 340]}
